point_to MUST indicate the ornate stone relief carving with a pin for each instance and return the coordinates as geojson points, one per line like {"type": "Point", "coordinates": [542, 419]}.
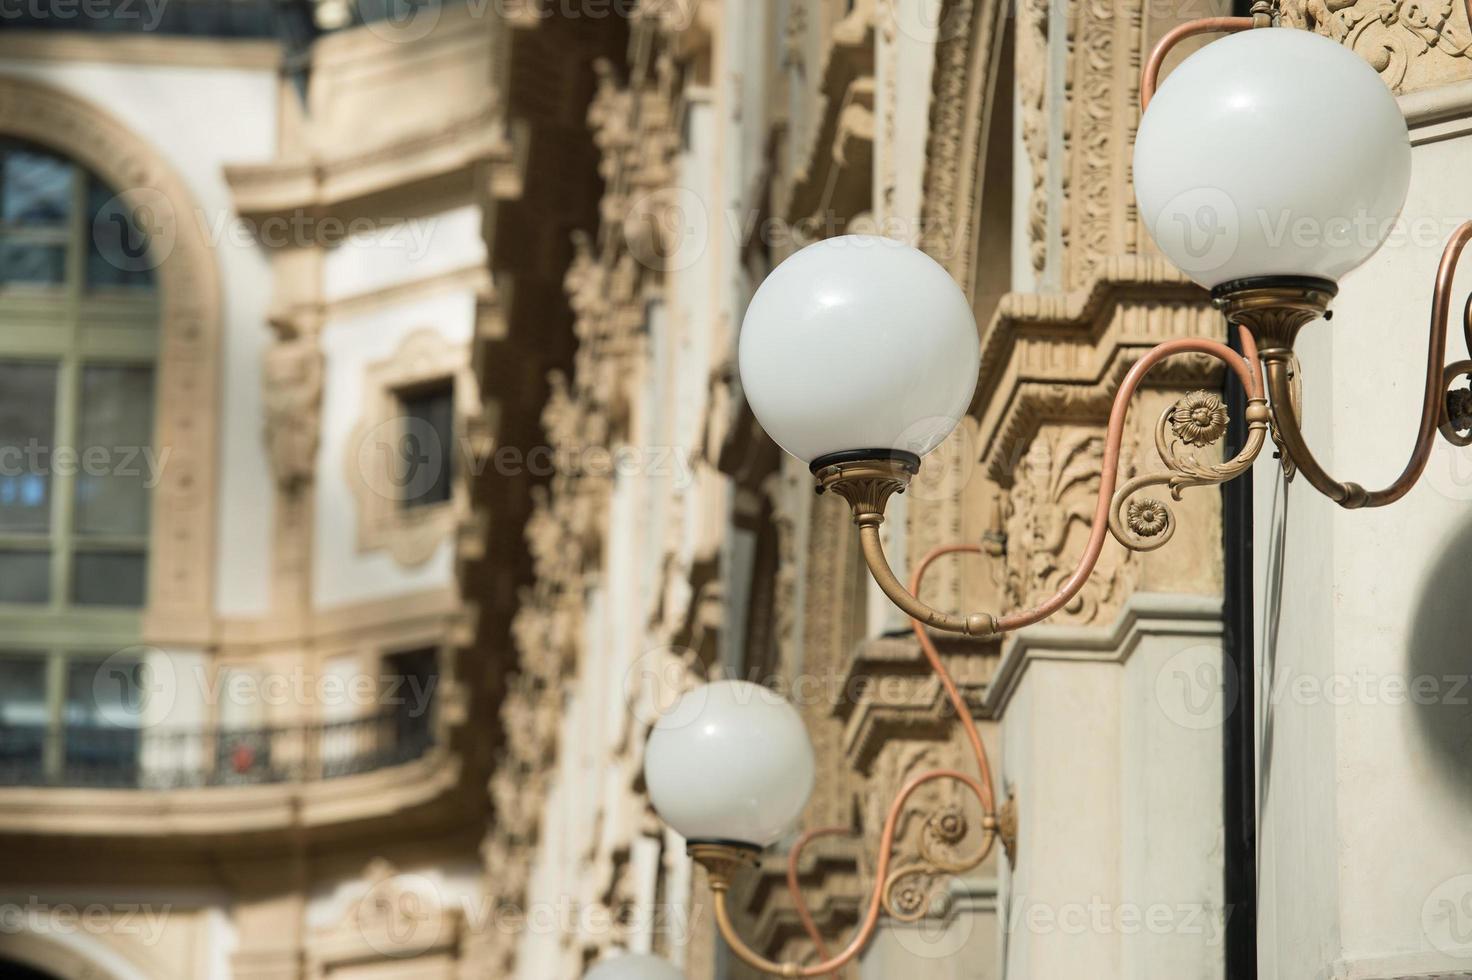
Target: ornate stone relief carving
{"type": "Point", "coordinates": [1098, 33]}
{"type": "Point", "coordinates": [609, 284]}
{"type": "Point", "coordinates": [1032, 87]}
{"type": "Point", "coordinates": [1047, 515]}
{"type": "Point", "coordinates": [1414, 44]}
{"type": "Point", "coordinates": [293, 389]}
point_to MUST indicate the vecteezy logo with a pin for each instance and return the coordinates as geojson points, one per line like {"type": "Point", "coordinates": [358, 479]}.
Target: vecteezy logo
{"type": "Point", "coordinates": [401, 459]}
{"type": "Point", "coordinates": [401, 916]}
{"type": "Point", "coordinates": [1197, 688]}
{"type": "Point", "coordinates": [132, 685]}
{"type": "Point", "coordinates": [405, 20]}
{"type": "Point", "coordinates": [1204, 222]}
{"type": "Point", "coordinates": [135, 231]}
{"type": "Point", "coordinates": [667, 230]}
{"type": "Point", "coordinates": [1446, 917]}
{"type": "Point", "coordinates": [655, 682]}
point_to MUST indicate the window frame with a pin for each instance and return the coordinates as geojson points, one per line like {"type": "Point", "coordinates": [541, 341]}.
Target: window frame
{"type": "Point", "coordinates": [74, 326]}
{"type": "Point", "coordinates": [411, 535]}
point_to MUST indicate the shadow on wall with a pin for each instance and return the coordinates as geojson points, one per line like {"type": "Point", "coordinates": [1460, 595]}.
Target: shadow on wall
{"type": "Point", "coordinates": [1441, 661]}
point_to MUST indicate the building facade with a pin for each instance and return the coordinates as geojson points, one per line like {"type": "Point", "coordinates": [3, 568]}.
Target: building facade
{"type": "Point", "coordinates": [417, 328]}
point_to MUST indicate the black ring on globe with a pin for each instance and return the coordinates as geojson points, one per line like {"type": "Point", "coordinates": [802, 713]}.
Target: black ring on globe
{"type": "Point", "coordinates": [910, 461]}
{"type": "Point", "coordinates": [739, 845]}
{"type": "Point", "coordinates": [1270, 282]}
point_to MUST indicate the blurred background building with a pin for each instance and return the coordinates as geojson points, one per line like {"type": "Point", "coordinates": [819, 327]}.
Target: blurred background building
{"type": "Point", "coordinates": [375, 467]}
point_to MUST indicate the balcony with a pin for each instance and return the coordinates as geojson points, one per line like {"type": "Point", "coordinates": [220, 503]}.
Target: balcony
{"type": "Point", "coordinates": [116, 781]}
{"type": "Point", "coordinates": [109, 757]}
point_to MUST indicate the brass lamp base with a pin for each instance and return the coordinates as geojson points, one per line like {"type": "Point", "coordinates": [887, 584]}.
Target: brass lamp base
{"type": "Point", "coordinates": [722, 860]}
{"type": "Point", "coordinates": [866, 478]}
{"type": "Point", "coordinates": [1275, 308]}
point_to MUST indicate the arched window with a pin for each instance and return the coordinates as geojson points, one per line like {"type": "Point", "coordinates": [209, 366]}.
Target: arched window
{"type": "Point", "coordinates": [79, 339]}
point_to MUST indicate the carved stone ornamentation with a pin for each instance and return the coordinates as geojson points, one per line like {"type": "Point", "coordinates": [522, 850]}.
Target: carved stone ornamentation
{"type": "Point", "coordinates": [1411, 43]}
{"type": "Point", "coordinates": [613, 278]}
{"type": "Point", "coordinates": [1048, 512]}
{"type": "Point", "coordinates": [293, 390]}
{"type": "Point", "coordinates": [1032, 86]}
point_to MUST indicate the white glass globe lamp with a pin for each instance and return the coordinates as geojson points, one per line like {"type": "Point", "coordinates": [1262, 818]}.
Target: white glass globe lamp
{"type": "Point", "coordinates": [1273, 153]}
{"type": "Point", "coordinates": [730, 763]}
{"type": "Point", "coordinates": [859, 347]}
{"type": "Point", "coordinates": [634, 966]}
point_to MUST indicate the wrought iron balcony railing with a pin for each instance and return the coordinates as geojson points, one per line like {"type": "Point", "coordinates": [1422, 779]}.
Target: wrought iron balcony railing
{"type": "Point", "coordinates": [112, 757]}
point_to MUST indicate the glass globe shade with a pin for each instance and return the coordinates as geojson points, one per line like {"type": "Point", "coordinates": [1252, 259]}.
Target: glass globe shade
{"type": "Point", "coordinates": [634, 966]}
{"type": "Point", "coordinates": [858, 342]}
{"type": "Point", "coordinates": [730, 761]}
{"type": "Point", "coordinates": [1273, 152]}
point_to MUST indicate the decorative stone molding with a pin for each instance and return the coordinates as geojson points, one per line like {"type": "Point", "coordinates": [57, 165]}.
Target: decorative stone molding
{"type": "Point", "coordinates": [960, 122]}
{"type": "Point", "coordinates": [1032, 76]}
{"type": "Point", "coordinates": [1114, 641]}
{"type": "Point", "coordinates": [1097, 218]}
{"type": "Point", "coordinates": [361, 77]}
{"type": "Point", "coordinates": [831, 177]}
{"type": "Point", "coordinates": [379, 444]}
{"type": "Point", "coordinates": [1063, 354]}
{"type": "Point", "coordinates": [1053, 493]}
{"type": "Point", "coordinates": [182, 542]}
{"type": "Point", "coordinates": [1413, 45]}
{"type": "Point", "coordinates": [613, 275]}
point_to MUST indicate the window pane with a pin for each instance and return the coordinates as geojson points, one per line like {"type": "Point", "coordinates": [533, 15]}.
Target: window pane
{"type": "Point", "coordinates": [109, 578]}
{"type": "Point", "coordinates": [113, 434]}
{"type": "Point", "coordinates": [25, 576]}
{"type": "Point", "coordinates": [30, 263]}
{"type": "Point", "coordinates": [104, 692]}
{"type": "Point", "coordinates": [118, 248]}
{"type": "Point", "coordinates": [426, 457]}
{"type": "Point", "coordinates": [409, 680]}
{"type": "Point", "coordinates": [27, 421]}
{"type": "Point", "coordinates": [22, 690]}
{"type": "Point", "coordinates": [23, 718]}
{"type": "Point", "coordinates": [35, 186]}
{"type": "Point", "coordinates": [102, 712]}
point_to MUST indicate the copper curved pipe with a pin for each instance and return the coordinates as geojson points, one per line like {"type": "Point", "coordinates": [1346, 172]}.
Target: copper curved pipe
{"type": "Point", "coordinates": [932, 655]}
{"type": "Point", "coordinates": [986, 792]}
{"type": "Point", "coordinates": [794, 887]}
{"type": "Point", "coordinates": [1150, 71]}
{"type": "Point", "coordinates": [866, 929]}
{"type": "Point", "coordinates": [1248, 371]}
{"type": "Point", "coordinates": [1433, 402]}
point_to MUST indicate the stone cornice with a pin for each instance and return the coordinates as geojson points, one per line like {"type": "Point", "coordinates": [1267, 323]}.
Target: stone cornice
{"type": "Point", "coordinates": [1144, 614]}
{"type": "Point", "coordinates": [830, 876]}
{"type": "Point", "coordinates": [333, 180]}
{"type": "Point", "coordinates": [1062, 355]}
{"type": "Point", "coordinates": [153, 50]}
{"type": "Point", "coordinates": [842, 134]}
{"type": "Point", "coordinates": [890, 691]}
